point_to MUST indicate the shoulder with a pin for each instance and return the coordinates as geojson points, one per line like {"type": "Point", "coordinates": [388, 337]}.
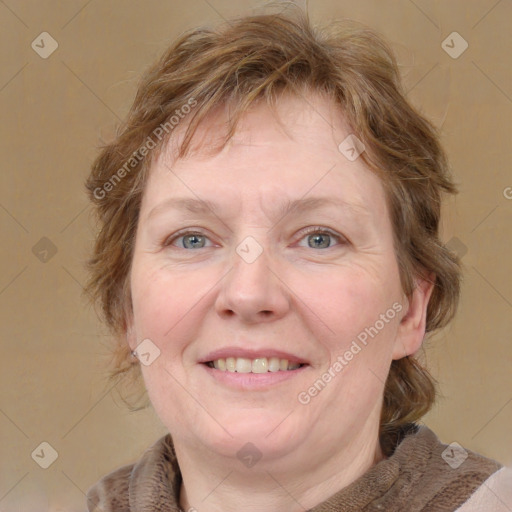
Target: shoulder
{"type": "Point", "coordinates": [111, 493]}
{"type": "Point", "coordinates": [134, 485]}
{"type": "Point", "coordinates": [440, 476]}
{"type": "Point", "coordinates": [494, 495]}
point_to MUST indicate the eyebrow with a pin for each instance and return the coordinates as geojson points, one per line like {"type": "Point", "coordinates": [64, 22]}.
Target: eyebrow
{"type": "Point", "coordinates": [296, 206]}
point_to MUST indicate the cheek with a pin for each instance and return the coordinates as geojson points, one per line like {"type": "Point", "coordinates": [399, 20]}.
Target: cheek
{"type": "Point", "coordinates": [346, 300]}
{"type": "Point", "coordinates": [167, 305]}
{"type": "Point", "coordinates": [158, 303]}
{"type": "Point", "coordinates": [152, 301]}
{"type": "Point", "coordinates": [353, 304]}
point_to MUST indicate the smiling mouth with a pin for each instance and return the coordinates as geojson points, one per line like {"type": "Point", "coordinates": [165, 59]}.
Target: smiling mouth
{"type": "Point", "coordinates": [258, 365]}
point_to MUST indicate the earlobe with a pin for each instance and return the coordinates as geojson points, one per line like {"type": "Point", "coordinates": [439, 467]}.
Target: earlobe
{"type": "Point", "coordinates": [411, 330]}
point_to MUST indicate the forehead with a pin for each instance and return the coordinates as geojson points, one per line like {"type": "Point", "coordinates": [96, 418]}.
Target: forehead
{"type": "Point", "coordinates": [303, 119]}
{"type": "Point", "coordinates": [266, 162]}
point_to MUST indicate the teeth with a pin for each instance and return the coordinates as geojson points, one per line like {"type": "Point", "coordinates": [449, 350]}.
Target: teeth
{"type": "Point", "coordinates": [243, 365]}
{"type": "Point", "coordinates": [259, 365]}
{"type": "Point", "coordinates": [230, 364]}
{"type": "Point", "coordinates": [273, 364]}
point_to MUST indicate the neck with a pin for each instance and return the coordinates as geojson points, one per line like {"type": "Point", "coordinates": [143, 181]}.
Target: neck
{"type": "Point", "coordinates": [296, 482]}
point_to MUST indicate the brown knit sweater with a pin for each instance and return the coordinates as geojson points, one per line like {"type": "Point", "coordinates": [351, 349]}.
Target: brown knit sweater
{"type": "Point", "coordinates": [414, 478]}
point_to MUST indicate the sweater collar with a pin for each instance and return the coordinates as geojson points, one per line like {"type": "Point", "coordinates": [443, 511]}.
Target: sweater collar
{"type": "Point", "coordinates": [415, 471]}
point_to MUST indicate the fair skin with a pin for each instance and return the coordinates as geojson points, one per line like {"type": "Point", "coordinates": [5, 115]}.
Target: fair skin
{"type": "Point", "coordinates": [308, 295]}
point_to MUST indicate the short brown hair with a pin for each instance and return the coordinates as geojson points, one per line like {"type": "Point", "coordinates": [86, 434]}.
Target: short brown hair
{"type": "Point", "coordinates": [258, 58]}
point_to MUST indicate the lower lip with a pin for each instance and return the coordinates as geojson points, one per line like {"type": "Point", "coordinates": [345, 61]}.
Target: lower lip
{"type": "Point", "coordinates": [253, 380]}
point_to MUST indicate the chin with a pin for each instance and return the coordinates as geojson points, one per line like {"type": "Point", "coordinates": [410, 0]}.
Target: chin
{"type": "Point", "coordinates": [265, 431]}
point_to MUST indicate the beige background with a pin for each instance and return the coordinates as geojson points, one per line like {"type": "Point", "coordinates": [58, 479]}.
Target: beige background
{"type": "Point", "coordinates": [55, 111]}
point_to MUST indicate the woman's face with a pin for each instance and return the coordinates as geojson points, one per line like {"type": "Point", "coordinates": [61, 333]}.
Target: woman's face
{"type": "Point", "coordinates": [223, 277]}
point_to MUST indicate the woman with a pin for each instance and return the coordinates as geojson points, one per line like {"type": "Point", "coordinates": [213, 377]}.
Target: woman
{"type": "Point", "coordinates": [269, 262]}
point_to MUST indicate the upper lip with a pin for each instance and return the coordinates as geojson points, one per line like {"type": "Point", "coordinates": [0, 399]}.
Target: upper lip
{"type": "Point", "coordinates": [226, 352]}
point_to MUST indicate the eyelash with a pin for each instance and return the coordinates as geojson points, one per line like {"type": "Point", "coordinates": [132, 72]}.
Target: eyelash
{"type": "Point", "coordinates": [307, 231]}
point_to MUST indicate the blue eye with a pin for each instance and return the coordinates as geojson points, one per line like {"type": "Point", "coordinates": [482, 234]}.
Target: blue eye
{"type": "Point", "coordinates": [188, 240]}
{"type": "Point", "coordinates": [318, 238]}
{"type": "Point", "coordinates": [193, 241]}
{"type": "Point", "coordinates": [319, 241]}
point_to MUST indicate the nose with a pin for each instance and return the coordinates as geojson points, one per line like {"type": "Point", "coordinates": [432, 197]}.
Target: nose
{"type": "Point", "coordinates": [253, 291]}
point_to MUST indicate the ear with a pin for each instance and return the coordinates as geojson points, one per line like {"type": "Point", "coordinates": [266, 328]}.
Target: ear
{"type": "Point", "coordinates": [129, 323]}
{"type": "Point", "coordinates": [411, 330]}
{"type": "Point", "coordinates": [131, 336]}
